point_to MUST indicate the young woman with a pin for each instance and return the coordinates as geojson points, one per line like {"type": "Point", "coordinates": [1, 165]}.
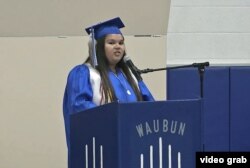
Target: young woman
{"type": "Point", "coordinates": [104, 77]}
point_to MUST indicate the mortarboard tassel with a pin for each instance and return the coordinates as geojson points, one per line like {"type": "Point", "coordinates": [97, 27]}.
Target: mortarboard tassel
{"type": "Point", "coordinates": [93, 55]}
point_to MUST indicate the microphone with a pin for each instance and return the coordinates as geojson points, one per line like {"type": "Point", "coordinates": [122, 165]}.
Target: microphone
{"type": "Point", "coordinates": [132, 67]}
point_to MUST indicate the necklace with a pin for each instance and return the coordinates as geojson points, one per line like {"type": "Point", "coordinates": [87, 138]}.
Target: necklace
{"type": "Point", "coordinates": [124, 85]}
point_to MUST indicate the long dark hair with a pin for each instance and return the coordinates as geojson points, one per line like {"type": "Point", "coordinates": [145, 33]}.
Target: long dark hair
{"type": "Point", "coordinates": [103, 68]}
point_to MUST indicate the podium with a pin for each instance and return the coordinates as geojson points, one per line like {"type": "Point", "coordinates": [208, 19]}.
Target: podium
{"type": "Point", "coordinates": [137, 135]}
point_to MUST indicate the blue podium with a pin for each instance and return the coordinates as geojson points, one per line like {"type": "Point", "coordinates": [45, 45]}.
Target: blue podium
{"type": "Point", "coordinates": [137, 135]}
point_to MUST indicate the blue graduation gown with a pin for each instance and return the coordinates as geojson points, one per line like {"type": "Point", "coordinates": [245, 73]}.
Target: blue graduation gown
{"type": "Point", "coordinates": [82, 89]}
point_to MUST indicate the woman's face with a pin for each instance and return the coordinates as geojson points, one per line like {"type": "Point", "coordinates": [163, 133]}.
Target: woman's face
{"type": "Point", "coordinates": [114, 49]}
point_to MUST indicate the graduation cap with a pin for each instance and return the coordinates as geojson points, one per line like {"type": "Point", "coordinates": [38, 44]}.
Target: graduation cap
{"type": "Point", "coordinates": [102, 29]}
{"type": "Point", "coordinates": [111, 26]}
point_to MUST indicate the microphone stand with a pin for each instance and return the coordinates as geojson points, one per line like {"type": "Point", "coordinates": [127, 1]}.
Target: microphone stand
{"type": "Point", "coordinates": [200, 66]}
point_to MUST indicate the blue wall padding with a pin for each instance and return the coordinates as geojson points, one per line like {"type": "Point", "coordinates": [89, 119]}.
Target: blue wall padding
{"type": "Point", "coordinates": [185, 84]}
{"type": "Point", "coordinates": [240, 109]}
{"type": "Point", "coordinates": [216, 109]}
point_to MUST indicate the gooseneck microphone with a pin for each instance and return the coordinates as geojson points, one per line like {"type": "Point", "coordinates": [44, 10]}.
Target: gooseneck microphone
{"type": "Point", "coordinates": [132, 67]}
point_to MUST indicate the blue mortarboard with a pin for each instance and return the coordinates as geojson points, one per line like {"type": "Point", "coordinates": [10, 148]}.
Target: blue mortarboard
{"type": "Point", "coordinates": [111, 26]}
{"type": "Point", "coordinates": [102, 29]}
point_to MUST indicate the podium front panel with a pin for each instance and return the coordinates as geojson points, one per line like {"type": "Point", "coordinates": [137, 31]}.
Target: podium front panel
{"type": "Point", "coordinates": [136, 135]}
{"type": "Point", "coordinates": [162, 133]}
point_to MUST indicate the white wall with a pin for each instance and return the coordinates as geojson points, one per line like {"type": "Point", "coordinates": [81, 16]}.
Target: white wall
{"type": "Point", "coordinates": [33, 72]}
{"type": "Point", "coordinates": [35, 18]}
{"type": "Point", "coordinates": [217, 31]}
